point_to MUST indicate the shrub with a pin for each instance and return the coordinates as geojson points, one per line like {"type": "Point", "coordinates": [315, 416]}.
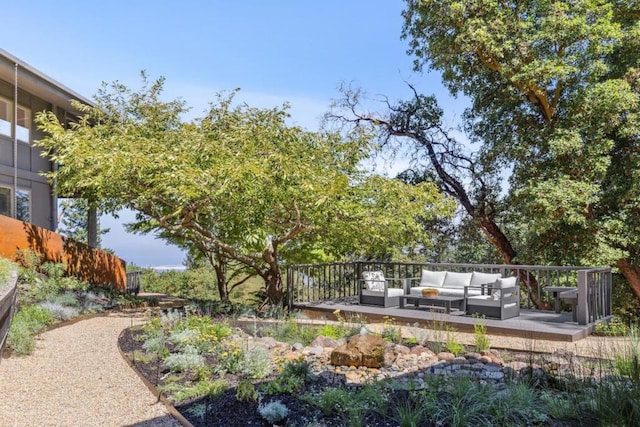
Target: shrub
{"type": "Point", "coordinates": [6, 267]}
{"type": "Point", "coordinates": [187, 360]}
{"type": "Point", "coordinates": [257, 363]}
{"type": "Point", "coordinates": [273, 412]}
{"type": "Point", "coordinates": [480, 336]}
{"type": "Point", "coordinates": [59, 311]}
{"type": "Point", "coordinates": [246, 391]}
{"type": "Point", "coordinates": [27, 322]}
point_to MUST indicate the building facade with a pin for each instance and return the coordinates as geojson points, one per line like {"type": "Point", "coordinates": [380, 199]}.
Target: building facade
{"type": "Point", "coordinates": [24, 91]}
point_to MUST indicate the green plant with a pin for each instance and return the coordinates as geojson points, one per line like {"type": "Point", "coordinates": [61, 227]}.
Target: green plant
{"type": "Point", "coordinates": [614, 328]}
{"type": "Point", "coordinates": [257, 363]}
{"type": "Point", "coordinates": [390, 332]}
{"type": "Point", "coordinates": [229, 357]}
{"type": "Point", "coordinates": [187, 360]}
{"type": "Point", "coordinates": [27, 322]}
{"type": "Point", "coordinates": [460, 403]}
{"type": "Point", "coordinates": [519, 404]}
{"type": "Point", "coordinates": [6, 268]}
{"type": "Point", "coordinates": [407, 413]}
{"type": "Point", "coordinates": [273, 412]}
{"type": "Point", "coordinates": [480, 336]}
{"type": "Point", "coordinates": [29, 262]}
{"type": "Point", "coordinates": [59, 311]}
{"type": "Point", "coordinates": [453, 345]}
{"type": "Point", "coordinates": [627, 361]}
{"type": "Point", "coordinates": [246, 391]}
{"type": "Point", "coordinates": [178, 393]}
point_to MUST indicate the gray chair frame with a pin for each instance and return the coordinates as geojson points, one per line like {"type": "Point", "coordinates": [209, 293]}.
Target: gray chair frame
{"type": "Point", "coordinates": [498, 311]}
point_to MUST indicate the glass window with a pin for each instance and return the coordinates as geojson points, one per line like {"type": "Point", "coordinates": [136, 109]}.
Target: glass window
{"type": "Point", "coordinates": [5, 116]}
{"type": "Point", "coordinates": [23, 205]}
{"type": "Point", "coordinates": [5, 201]}
{"type": "Point", "coordinates": [23, 124]}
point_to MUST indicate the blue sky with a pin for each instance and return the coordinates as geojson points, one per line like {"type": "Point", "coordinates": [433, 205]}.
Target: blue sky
{"type": "Point", "coordinates": [274, 51]}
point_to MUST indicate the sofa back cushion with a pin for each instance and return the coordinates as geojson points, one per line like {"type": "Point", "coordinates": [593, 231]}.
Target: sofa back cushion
{"type": "Point", "coordinates": [457, 280]}
{"type": "Point", "coordinates": [478, 278]}
{"type": "Point", "coordinates": [374, 280]}
{"type": "Point", "coordinates": [432, 279]}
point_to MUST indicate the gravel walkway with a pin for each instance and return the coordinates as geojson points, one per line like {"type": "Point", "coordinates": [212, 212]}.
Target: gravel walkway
{"type": "Point", "coordinates": [77, 377]}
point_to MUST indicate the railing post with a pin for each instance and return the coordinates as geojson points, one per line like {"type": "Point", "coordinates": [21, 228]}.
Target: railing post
{"type": "Point", "coordinates": [289, 288]}
{"type": "Point", "coordinates": [583, 297]}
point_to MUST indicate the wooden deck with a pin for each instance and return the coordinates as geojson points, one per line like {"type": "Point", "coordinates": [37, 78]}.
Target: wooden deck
{"type": "Point", "coordinates": [531, 324]}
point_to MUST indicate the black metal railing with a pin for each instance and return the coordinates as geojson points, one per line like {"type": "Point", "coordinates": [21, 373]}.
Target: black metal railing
{"type": "Point", "coordinates": [308, 283]}
{"type": "Point", "coordinates": [134, 280]}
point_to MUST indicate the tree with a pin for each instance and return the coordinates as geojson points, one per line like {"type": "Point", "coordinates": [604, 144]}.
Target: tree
{"type": "Point", "coordinates": [555, 91]}
{"type": "Point", "coordinates": [238, 184]}
{"type": "Point", "coordinates": [73, 221]}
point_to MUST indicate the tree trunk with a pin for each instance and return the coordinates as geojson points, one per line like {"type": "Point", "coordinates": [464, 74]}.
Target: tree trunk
{"type": "Point", "coordinates": [501, 242]}
{"type": "Point", "coordinates": [273, 283]}
{"type": "Point", "coordinates": [631, 272]}
{"type": "Point", "coordinates": [92, 226]}
{"type": "Point", "coordinates": [221, 280]}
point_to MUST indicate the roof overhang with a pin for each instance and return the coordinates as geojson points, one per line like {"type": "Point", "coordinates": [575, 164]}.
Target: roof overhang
{"type": "Point", "coordinates": [37, 83]}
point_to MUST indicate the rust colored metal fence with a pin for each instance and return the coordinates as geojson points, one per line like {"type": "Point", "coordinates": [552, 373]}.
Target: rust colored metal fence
{"type": "Point", "coordinates": [92, 265]}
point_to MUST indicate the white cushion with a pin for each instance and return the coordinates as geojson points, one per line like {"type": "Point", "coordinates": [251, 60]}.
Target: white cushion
{"type": "Point", "coordinates": [374, 280]}
{"type": "Point", "coordinates": [457, 280]}
{"type": "Point", "coordinates": [391, 292]}
{"type": "Point", "coordinates": [505, 282]}
{"type": "Point", "coordinates": [483, 300]}
{"type": "Point", "coordinates": [478, 278]}
{"type": "Point", "coordinates": [395, 292]}
{"type": "Point", "coordinates": [432, 279]}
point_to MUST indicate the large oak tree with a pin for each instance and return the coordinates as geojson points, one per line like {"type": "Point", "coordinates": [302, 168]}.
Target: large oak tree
{"type": "Point", "coordinates": [555, 92]}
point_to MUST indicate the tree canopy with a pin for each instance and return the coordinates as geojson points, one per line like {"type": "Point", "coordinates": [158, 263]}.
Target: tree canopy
{"type": "Point", "coordinates": [238, 184]}
{"type": "Point", "coordinates": [555, 92]}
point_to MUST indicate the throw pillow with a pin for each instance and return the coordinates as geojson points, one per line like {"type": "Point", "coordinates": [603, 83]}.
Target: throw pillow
{"type": "Point", "coordinates": [374, 280]}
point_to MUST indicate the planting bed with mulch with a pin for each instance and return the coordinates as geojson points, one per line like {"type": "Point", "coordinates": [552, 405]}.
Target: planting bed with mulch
{"type": "Point", "coordinates": [372, 404]}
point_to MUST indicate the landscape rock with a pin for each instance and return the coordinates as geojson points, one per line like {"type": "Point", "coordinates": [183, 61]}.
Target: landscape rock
{"type": "Point", "coordinates": [360, 350]}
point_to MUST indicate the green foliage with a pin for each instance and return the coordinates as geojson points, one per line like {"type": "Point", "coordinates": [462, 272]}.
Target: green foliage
{"type": "Point", "coordinates": [480, 336]}
{"type": "Point", "coordinates": [555, 104]}
{"type": "Point", "coordinates": [290, 380]}
{"type": "Point", "coordinates": [452, 345]}
{"type": "Point", "coordinates": [614, 328]}
{"type": "Point", "coordinates": [287, 195]}
{"type": "Point", "coordinates": [257, 363]}
{"type": "Point", "coordinates": [187, 360]}
{"type": "Point", "coordinates": [6, 268]}
{"type": "Point", "coordinates": [627, 362]}
{"type": "Point", "coordinates": [390, 332]}
{"type": "Point", "coordinates": [246, 391]}
{"type": "Point", "coordinates": [205, 388]}
{"type": "Point", "coordinates": [273, 412]}
{"type": "Point", "coordinates": [73, 220]}
{"type": "Point", "coordinates": [351, 403]}
{"type": "Point", "coordinates": [27, 322]}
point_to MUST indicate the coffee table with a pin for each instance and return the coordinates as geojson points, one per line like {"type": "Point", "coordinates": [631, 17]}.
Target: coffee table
{"type": "Point", "coordinates": [436, 301]}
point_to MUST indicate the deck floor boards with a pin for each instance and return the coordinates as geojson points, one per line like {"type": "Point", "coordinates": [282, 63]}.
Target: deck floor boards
{"type": "Point", "coordinates": [532, 324]}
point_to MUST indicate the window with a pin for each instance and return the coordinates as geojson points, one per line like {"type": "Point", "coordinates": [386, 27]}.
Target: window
{"type": "Point", "coordinates": [23, 205]}
{"type": "Point", "coordinates": [5, 116]}
{"type": "Point", "coordinates": [23, 124]}
{"type": "Point", "coordinates": [5, 201]}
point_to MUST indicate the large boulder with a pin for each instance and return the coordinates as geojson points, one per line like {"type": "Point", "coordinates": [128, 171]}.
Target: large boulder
{"type": "Point", "coordinates": [360, 350]}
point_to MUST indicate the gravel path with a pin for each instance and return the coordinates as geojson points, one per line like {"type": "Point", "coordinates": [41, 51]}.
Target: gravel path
{"type": "Point", "coordinates": [77, 377]}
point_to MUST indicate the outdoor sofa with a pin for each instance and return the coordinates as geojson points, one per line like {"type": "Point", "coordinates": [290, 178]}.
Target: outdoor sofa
{"type": "Point", "coordinates": [376, 289]}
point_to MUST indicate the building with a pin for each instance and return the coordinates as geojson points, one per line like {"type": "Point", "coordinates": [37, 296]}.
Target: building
{"type": "Point", "coordinates": [24, 91]}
